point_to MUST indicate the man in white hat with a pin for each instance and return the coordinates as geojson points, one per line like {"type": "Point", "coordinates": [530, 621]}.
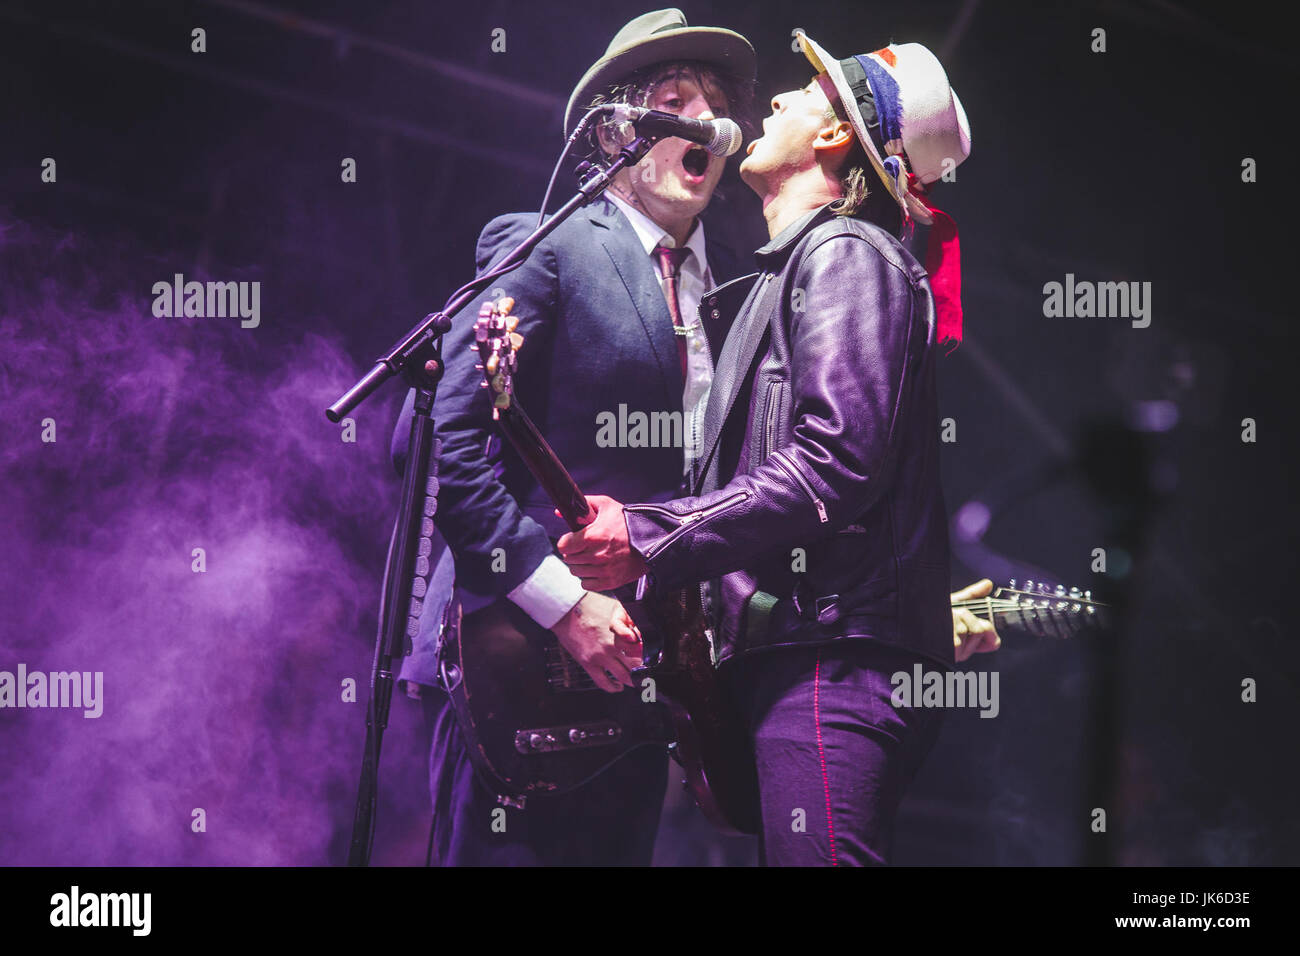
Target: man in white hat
{"type": "Point", "coordinates": [605, 306]}
{"type": "Point", "coordinates": [818, 518]}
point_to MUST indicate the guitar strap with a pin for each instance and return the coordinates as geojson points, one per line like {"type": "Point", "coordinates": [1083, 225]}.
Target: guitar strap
{"type": "Point", "coordinates": [733, 375]}
{"type": "Point", "coordinates": [825, 609]}
{"type": "Point", "coordinates": [758, 617]}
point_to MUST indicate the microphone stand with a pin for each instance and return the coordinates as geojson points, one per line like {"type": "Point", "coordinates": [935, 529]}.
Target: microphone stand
{"type": "Point", "coordinates": [418, 358]}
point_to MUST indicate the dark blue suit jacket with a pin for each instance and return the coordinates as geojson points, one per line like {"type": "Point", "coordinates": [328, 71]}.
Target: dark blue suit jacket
{"type": "Point", "coordinates": [597, 334]}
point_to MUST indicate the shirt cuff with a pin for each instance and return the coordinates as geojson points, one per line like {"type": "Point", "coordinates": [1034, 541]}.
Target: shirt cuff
{"type": "Point", "coordinates": [549, 593]}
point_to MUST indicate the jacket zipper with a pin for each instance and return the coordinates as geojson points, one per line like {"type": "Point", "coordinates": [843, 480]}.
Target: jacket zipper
{"type": "Point", "coordinates": [786, 464]}
{"type": "Point", "coordinates": [685, 521]}
{"type": "Point", "coordinates": [708, 622]}
{"type": "Point", "coordinates": [769, 432]}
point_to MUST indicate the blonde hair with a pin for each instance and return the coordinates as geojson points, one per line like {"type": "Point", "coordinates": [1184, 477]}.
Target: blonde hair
{"type": "Point", "coordinates": [858, 198]}
{"type": "Point", "coordinates": [852, 174]}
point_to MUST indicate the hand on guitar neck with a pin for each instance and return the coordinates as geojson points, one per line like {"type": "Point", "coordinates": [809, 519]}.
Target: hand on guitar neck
{"type": "Point", "coordinates": [971, 634]}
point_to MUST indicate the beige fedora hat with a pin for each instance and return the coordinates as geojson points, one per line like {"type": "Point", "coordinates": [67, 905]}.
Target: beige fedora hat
{"type": "Point", "coordinates": [658, 37]}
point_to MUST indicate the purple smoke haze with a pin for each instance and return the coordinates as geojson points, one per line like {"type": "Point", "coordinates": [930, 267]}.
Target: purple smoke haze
{"type": "Point", "coordinates": [222, 690]}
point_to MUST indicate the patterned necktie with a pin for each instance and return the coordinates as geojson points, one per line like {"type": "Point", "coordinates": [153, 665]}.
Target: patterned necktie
{"type": "Point", "coordinates": [670, 266]}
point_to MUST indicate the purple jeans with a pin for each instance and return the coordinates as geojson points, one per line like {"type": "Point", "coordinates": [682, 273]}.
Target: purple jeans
{"type": "Point", "coordinates": [834, 755]}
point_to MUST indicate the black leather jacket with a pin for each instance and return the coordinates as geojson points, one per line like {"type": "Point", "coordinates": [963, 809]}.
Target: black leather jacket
{"type": "Point", "coordinates": [820, 514]}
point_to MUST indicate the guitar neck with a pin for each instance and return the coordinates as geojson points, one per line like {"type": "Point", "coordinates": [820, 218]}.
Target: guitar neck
{"type": "Point", "coordinates": [1061, 618]}
{"type": "Point", "coordinates": [1041, 614]}
{"type": "Point", "coordinates": [544, 464]}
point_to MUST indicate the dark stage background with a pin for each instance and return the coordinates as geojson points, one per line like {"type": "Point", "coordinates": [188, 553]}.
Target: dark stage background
{"type": "Point", "coordinates": [223, 690]}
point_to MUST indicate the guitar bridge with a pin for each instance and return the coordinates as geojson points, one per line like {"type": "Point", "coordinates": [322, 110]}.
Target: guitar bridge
{"type": "Point", "coordinates": [541, 740]}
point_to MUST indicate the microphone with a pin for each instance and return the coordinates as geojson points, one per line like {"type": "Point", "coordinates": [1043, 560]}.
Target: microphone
{"type": "Point", "coordinates": [721, 137]}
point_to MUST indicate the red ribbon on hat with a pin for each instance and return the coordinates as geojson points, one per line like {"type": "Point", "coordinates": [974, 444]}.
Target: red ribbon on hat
{"type": "Point", "coordinates": [943, 262]}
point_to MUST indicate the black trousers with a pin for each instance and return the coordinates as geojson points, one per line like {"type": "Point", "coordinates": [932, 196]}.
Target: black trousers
{"type": "Point", "coordinates": [834, 754]}
{"type": "Point", "coordinates": [610, 821]}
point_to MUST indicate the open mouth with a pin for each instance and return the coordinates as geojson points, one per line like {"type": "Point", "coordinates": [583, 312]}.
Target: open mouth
{"type": "Point", "coordinates": [696, 161]}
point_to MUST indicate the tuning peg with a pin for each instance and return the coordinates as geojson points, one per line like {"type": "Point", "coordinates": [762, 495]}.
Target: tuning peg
{"type": "Point", "coordinates": [504, 305]}
{"type": "Point", "coordinates": [1013, 582]}
{"type": "Point", "coordinates": [1087, 595]}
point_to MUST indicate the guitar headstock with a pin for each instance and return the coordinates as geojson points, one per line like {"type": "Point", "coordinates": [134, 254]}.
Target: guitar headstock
{"type": "Point", "coordinates": [496, 342]}
{"type": "Point", "coordinates": [1041, 609]}
{"type": "Point", "coordinates": [1052, 610]}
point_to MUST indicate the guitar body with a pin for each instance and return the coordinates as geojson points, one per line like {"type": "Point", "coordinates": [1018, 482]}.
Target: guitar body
{"type": "Point", "coordinates": [533, 721]}
{"type": "Point", "coordinates": [710, 742]}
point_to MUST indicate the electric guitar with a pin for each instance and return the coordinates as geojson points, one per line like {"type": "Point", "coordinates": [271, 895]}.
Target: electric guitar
{"type": "Point", "coordinates": [534, 720]}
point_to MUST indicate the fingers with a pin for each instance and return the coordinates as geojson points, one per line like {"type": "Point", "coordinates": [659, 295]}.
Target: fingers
{"type": "Point", "coordinates": [981, 588]}
{"type": "Point", "coordinates": [576, 545]}
{"type": "Point", "coordinates": [983, 638]}
{"type": "Point", "coordinates": [589, 517]}
{"type": "Point", "coordinates": [972, 635]}
{"type": "Point", "coordinates": [627, 641]}
{"type": "Point", "coordinates": [963, 644]}
{"type": "Point", "coordinates": [598, 633]}
{"type": "Point", "coordinates": [593, 508]}
{"type": "Point", "coordinates": [964, 622]}
{"type": "Point", "coordinates": [613, 578]}
{"type": "Point", "coordinates": [967, 645]}
{"type": "Point", "coordinates": [606, 683]}
{"type": "Point", "coordinates": [596, 576]}
{"type": "Point", "coordinates": [624, 627]}
{"type": "Point", "coordinates": [611, 675]}
{"type": "Point", "coordinates": [579, 561]}
{"type": "Point", "coordinates": [594, 503]}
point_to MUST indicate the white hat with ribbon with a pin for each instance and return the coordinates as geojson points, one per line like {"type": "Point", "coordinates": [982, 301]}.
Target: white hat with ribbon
{"type": "Point", "coordinates": [914, 130]}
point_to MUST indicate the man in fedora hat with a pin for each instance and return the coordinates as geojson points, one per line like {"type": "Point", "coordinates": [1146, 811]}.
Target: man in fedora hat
{"type": "Point", "coordinates": [818, 517]}
{"type": "Point", "coordinates": [604, 305]}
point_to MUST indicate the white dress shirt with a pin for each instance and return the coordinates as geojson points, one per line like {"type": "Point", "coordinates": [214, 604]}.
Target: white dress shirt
{"type": "Point", "coordinates": [552, 590]}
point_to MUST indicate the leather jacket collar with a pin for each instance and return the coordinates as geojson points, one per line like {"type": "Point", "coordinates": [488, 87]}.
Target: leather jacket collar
{"type": "Point", "coordinates": [772, 256]}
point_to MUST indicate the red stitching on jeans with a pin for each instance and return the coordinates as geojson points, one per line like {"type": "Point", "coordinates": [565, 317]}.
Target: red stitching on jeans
{"type": "Point", "coordinates": [821, 754]}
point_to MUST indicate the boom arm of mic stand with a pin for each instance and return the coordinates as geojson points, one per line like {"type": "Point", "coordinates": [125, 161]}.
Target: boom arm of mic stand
{"type": "Point", "coordinates": [395, 360]}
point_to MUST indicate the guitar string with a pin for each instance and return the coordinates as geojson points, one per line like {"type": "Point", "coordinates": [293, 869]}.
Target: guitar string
{"type": "Point", "coordinates": [560, 672]}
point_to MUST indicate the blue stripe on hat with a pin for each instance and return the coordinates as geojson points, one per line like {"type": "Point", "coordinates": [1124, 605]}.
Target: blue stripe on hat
{"type": "Point", "coordinates": [885, 90]}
